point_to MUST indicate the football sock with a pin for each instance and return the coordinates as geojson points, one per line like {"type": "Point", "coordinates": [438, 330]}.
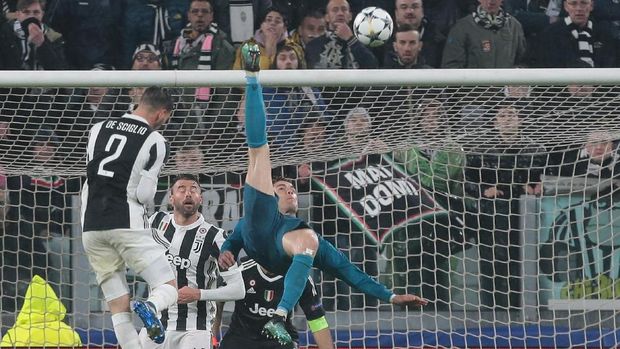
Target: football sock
{"type": "Point", "coordinates": [255, 119]}
{"type": "Point", "coordinates": [295, 281]}
{"type": "Point", "coordinates": [163, 296]}
{"type": "Point", "coordinates": [125, 332]}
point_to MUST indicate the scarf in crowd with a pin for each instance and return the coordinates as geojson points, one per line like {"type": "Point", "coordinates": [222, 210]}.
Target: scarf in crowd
{"type": "Point", "coordinates": [28, 51]}
{"type": "Point", "coordinates": [184, 44]}
{"type": "Point", "coordinates": [489, 21]}
{"type": "Point", "coordinates": [584, 40]}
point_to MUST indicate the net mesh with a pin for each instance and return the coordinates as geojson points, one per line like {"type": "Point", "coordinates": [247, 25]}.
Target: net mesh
{"type": "Point", "coordinates": [496, 203]}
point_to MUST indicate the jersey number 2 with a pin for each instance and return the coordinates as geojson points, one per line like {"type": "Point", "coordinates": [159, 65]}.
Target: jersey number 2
{"type": "Point", "coordinates": [117, 152]}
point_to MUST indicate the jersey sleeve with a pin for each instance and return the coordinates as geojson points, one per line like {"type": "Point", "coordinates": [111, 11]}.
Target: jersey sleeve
{"type": "Point", "coordinates": [260, 211]}
{"type": "Point", "coordinates": [157, 155]}
{"type": "Point", "coordinates": [310, 302]}
{"type": "Point", "coordinates": [234, 241]}
{"type": "Point", "coordinates": [218, 242]}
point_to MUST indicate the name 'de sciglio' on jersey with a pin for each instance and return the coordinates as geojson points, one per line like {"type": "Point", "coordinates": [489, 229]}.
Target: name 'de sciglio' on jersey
{"type": "Point", "coordinates": [123, 126]}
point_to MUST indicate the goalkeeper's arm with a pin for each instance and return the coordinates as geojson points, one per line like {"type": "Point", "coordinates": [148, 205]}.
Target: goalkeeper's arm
{"type": "Point", "coordinates": [310, 303]}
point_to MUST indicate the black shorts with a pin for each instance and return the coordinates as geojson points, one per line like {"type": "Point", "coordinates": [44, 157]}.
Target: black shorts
{"type": "Point", "coordinates": [236, 341]}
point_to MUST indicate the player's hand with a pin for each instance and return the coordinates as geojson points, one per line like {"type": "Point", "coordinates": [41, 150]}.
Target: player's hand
{"type": "Point", "coordinates": [408, 299]}
{"type": "Point", "coordinates": [343, 31]}
{"type": "Point", "coordinates": [188, 295]}
{"type": "Point", "coordinates": [226, 260]}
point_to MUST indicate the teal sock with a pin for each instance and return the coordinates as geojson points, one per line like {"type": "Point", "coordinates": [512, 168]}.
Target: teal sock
{"type": "Point", "coordinates": [295, 281]}
{"type": "Point", "coordinates": [255, 119]}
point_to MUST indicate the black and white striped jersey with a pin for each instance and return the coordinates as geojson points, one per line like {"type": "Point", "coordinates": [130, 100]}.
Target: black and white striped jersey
{"type": "Point", "coordinates": [262, 295]}
{"type": "Point", "coordinates": [192, 251]}
{"type": "Point", "coordinates": [121, 151]}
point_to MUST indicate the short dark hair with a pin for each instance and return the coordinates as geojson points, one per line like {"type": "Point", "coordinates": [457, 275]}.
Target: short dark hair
{"type": "Point", "coordinates": [318, 13]}
{"type": "Point", "coordinates": [184, 176]}
{"type": "Point", "coordinates": [405, 28]}
{"type": "Point", "coordinates": [274, 9]}
{"type": "Point", "coordinates": [278, 178]}
{"type": "Point", "coordinates": [193, 1]}
{"type": "Point", "coordinates": [157, 98]}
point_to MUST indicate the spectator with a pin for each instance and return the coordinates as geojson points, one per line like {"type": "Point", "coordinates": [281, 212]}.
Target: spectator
{"type": "Point", "coordinates": [272, 31]}
{"type": "Point", "coordinates": [189, 159]}
{"type": "Point", "coordinates": [91, 29]}
{"type": "Point", "coordinates": [201, 46]}
{"type": "Point", "coordinates": [238, 19]}
{"type": "Point", "coordinates": [154, 21]}
{"type": "Point", "coordinates": [26, 43]}
{"type": "Point", "coordinates": [411, 13]}
{"type": "Point", "coordinates": [599, 158]}
{"type": "Point", "coordinates": [338, 48]}
{"type": "Point", "coordinates": [407, 46]}
{"type": "Point", "coordinates": [287, 107]}
{"type": "Point", "coordinates": [358, 133]}
{"type": "Point", "coordinates": [311, 27]}
{"type": "Point", "coordinates": [576, 41]}
{"type": "Point", "coordinates": [37, 210]}
{"type": "Point", "coordinates": [488, 38]}
{"type": "Point", "coordinates": [508, 167]}
{"type": "Point", "coordinates": [440, 172]}
{"type": "Point", "coordinates": [146, 57]}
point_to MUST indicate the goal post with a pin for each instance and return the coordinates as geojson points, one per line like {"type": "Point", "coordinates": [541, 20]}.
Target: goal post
{"type": "Point", "coordinates": [493, 193]}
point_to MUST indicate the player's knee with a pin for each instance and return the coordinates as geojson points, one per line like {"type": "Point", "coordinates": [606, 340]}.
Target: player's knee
{"type": "Point", "coordinates": [302, 241]}
{"type": "Point", "coordinates": [114, 286]}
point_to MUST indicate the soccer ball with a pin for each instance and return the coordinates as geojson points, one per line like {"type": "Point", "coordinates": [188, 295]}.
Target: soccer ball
{"type": "Point", "coordinates": [373, 26]}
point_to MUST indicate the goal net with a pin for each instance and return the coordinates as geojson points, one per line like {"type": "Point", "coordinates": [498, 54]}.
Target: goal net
{"type": "Point", "coordinates": [493, 194]}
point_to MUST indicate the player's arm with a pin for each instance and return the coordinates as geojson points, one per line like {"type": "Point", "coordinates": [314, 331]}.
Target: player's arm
{"type": "Point", "coordinates": [259, 166]}
{"type": "Point", "coordinates": [158, 154]}
{"type": "Point", "coordinates": [310, 303]}
{"type": "Point", "coordinates": [233, 288]}
{"type": "Point", "coordinates": [333, 261]}
{"type": "Point", "coordinates": [234, 242]}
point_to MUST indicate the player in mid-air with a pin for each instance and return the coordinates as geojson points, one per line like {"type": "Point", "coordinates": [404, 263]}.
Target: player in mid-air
{"type": "Point", "coordinates": [125, 156]}
{"type": "Point", "coordinates": [270, 233]}
{"type": "Point", "coordinates": [192, 246]}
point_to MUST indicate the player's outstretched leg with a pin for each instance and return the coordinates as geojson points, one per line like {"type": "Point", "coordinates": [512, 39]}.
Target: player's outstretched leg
{"type": "Point", "coordinates": [147, 313]}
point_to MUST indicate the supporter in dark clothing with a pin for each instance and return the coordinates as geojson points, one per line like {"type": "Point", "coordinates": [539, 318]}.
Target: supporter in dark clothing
{"type": "Point", "coordinates": [577, 41]}
{"type": "Point", "coordinates": [407, 46]}
{"type": "Point", "coordinates": [508, 167]}
{"type": "Point", "coordinates": [33, 45]}
{"type": "Point", "coordinates": [338, 48]}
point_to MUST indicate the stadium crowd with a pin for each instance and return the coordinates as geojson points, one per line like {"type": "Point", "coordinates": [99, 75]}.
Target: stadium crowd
{"type": "Point", "coordinates": [479, 187]}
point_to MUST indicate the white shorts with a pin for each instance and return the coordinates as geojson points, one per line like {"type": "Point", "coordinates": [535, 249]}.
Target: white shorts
{"type": "Point", "coordinates": [111, 251]}
{"type": "Point", "coordinates": [192, 339]}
